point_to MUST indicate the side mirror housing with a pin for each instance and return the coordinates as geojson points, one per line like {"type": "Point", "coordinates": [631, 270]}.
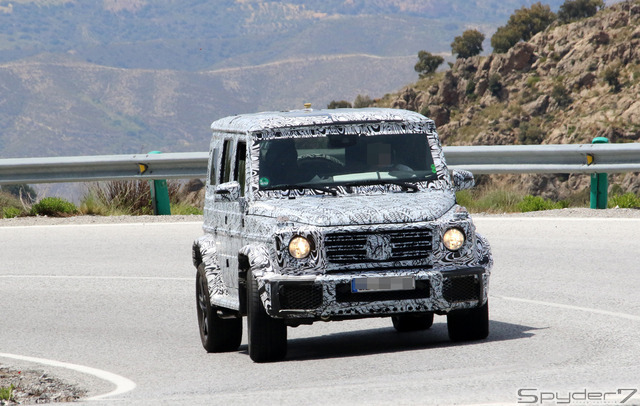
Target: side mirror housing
{"type": "Point", "coordinates": [228, 192]}
{"type": "Point", "coordinates": [462, 180]}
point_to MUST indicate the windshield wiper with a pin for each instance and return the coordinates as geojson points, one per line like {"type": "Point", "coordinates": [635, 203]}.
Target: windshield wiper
{"type": "Point", "coordinates": [327, 189]}
{"type": "Point", "coordinates": [406, 186]}
{"type": "Point", "coordinates": [332, 190]}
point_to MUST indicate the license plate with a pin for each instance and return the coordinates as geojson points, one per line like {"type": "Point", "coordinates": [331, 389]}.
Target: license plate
{"type": "Point", "coordinates": [383, 283]}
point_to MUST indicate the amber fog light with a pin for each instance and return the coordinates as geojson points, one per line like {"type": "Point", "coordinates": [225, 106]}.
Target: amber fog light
{"type": "Point", "coordinates": [453, 239]}
{"type": "Point", "coordinates": [299, 247]}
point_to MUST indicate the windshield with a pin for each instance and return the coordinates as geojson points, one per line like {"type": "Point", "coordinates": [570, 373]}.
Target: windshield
{"type": "Point", "coordinates": [345, 160]}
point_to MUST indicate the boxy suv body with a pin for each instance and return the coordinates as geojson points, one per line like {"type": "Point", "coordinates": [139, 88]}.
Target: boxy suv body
{"type": "Point", "coordinates": [320, 215]}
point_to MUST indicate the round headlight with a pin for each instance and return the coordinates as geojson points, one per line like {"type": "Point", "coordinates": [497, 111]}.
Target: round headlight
{"type": "Point", "coordinates": [453, 239]}
{"type": "Point", "coordinates": [299, 247]}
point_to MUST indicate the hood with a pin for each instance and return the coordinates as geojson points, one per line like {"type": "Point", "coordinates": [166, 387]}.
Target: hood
{"type": "Point", "coordinates": [324, 211]}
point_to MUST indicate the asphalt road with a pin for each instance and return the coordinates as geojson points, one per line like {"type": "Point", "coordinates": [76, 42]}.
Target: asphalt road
{"type": "Point", "coordinates": [116, 304]}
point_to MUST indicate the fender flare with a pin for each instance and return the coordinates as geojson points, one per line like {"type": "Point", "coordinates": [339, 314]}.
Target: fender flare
{"type": "Point", "coordinates": [256, 258]}
{"type": "Point", "coordinates": [483, 252]}
{"type": "Point", "coordinates": [204, 251]}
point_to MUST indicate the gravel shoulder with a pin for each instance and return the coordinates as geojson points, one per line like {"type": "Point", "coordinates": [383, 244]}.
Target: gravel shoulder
{"type": "Point", "coordinates": [26, 387]}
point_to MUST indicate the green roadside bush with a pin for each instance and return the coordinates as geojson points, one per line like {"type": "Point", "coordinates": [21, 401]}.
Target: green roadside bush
{"type": "Point", "coordinates": [10, 212]}
{"type": "Point", "coordinates": [133, 197]}
{"type": "Point", "coordinates": [6, 393]}
{"type": "Point", "coordinates": [54, 207]}
{"type": "Point", "coordinates": [625, 201]}
{"type": "Point", "coordinates": [537, 203]}
{"type": "Point", "coordinates": [10, 206]}
{"type": "Point", "coordinates": [489, 201]}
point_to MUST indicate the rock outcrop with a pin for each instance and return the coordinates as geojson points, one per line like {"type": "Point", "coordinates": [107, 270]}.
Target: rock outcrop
{"type": "Point", "coordinates": [567, 84]}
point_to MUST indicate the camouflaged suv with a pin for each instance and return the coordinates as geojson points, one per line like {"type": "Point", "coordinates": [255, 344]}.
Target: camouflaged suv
{"type": "Point", "coordinates": [321, 215]}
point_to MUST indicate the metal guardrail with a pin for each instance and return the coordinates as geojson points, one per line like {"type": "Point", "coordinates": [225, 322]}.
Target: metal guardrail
{"type": "Point", "coordinates": [103, 167]}
{"type": "Point", "coordinates": [569, 158]}
{"type": "Point", "coordinates": [554, 158]}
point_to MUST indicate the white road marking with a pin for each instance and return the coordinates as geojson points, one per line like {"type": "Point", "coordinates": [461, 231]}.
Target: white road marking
{"type": "Point", "coordinates": [572, 219]}
{"type": "Point", "coordinates": [99, 225]}
{"type": "Point", "coordinates": [571, 307]}
{"type": "Point", "coordinates": [144, 278]}
{"type": "Point", "coordinates": [122, 384]}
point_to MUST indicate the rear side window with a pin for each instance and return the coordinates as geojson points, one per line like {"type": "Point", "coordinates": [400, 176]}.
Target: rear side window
{"type": "Point", "coordinates": [241, 162]}
{"type": "Point", "coordinates": [225, 169]}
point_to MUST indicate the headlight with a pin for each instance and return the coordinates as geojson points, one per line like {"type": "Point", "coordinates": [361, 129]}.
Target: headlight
{"type": "Point", "coordinates": [453, 239]}
{"type": "Point", "coordinates": [299, 247]}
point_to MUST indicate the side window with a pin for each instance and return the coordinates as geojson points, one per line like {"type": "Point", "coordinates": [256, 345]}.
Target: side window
{"type": "Point", "coordinates": [225, 169]}
{"type": "Point", "coordinates": [214, 163]}
{"type": "Point", "coordinates": [241, 162]}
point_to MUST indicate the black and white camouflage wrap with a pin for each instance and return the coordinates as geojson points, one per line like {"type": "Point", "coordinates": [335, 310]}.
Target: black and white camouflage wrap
{"type": "Point", "coordinates": [272, 218]}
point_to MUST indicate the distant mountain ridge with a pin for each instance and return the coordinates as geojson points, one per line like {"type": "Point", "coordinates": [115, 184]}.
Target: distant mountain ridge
{"type": "Point", "coordinates": [126, 76]}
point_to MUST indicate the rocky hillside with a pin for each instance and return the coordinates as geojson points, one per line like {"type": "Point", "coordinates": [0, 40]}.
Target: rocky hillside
{"type": "Point", "coordinates": [568, 84]}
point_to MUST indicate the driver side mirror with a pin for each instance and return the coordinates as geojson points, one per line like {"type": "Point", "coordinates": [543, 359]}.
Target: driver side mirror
{"type": "Point", "coordinates": [228, 192]}
{"type": "Point", "coordinates": [462, 180]}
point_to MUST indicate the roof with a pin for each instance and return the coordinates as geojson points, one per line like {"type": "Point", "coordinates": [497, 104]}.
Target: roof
{"type": "Point", "coordinates": [248, 123]}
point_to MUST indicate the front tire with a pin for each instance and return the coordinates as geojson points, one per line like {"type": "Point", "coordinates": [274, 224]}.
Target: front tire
{"type": "Point", "coordinates": [216, 334]}
{"type": "Point", "coordinates": [469, 324]}
{"type": "Point", "coordinates": [267, 336]}
{"type": "Point", "coordinates": [412, 322]}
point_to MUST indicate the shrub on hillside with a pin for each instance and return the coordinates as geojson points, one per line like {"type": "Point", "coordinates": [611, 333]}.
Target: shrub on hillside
{"type": "Point", "coordinates": [523, 24]}
{"type": "Point", "coordinates": [342, 104]}
{"type": "Point", "coordinates": [362, 101]}
{"type": "Point", "coordinates": [561, 95]}
{"type": "Point", "coordinates": [495, 86]}
{"type": "Point", "coordinates": [427, 63]}
{"type": "Point", "coordinates": [611, 75]}
{"type": "Point", "coordinates": [573, 10]}
{"type": "Point", "coordinates": [468, 44]}
{"type": "Point", "coordinates": [530, 133]}
{"type": "Point", "coordinates": [54, 206]}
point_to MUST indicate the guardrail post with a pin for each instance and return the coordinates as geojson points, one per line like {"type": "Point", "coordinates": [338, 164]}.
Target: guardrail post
{"type": "Point", "coordinates": [599, 183]}
{"type": "Point", "coordinates": [160, 195]}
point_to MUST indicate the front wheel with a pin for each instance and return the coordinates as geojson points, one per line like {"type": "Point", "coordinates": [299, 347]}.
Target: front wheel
{"type": "Point", "coordinates": [216, 334]}
{"type": "Point", "coordinates": [469, 324]}
{"type": "Point", "coordinates": [267, 336]}
{"type": "Point", "coordinates": [412, 322]}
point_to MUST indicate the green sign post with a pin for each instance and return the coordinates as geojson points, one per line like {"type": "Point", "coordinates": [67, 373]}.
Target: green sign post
{"type": "Point", "coordinates": [160, 195]}
{"type": "Point", "coordinates": [599, 183]}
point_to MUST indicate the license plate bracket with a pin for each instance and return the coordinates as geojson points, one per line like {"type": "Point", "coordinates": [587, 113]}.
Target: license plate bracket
{"type": "Point", "coordinates": [382, 283]}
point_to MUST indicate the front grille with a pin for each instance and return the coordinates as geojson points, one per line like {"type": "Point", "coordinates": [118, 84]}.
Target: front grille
{"type": "Point", "coordinates": [344, 294]}
{"type": "Point", "coordinates": [461, 288]}
{"type": "Point", "coordinates": [301, 297]}
{"type": "Point", "coordinates": [396, 245]}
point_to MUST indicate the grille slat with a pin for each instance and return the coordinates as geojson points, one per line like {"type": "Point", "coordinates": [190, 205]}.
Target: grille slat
{"type": "Point", "coordinates": [402, 245]}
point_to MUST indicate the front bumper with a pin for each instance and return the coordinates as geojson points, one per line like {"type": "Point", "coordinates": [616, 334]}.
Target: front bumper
{"type": "Point", "coordinates": [329, 296]}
